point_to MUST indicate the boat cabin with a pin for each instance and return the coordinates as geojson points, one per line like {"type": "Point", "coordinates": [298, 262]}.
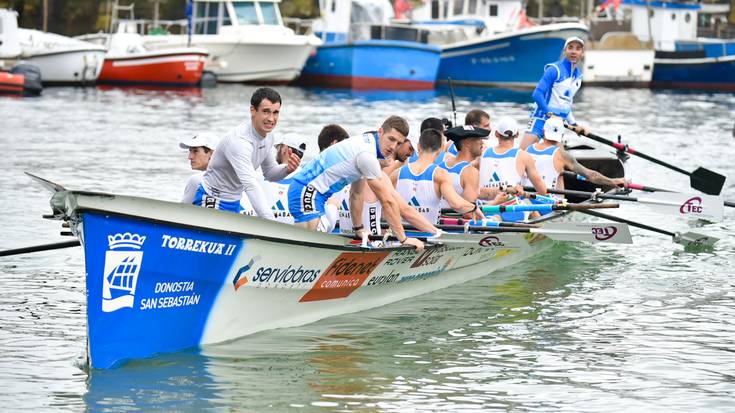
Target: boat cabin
{"type": "Point", "coordinates": [211, 16]}
{"type": "Point", "coordinates": [9, 41]}
{"type": "Point", "coordinates": [666, 22]}
{"type": "Point", "coordinates": [496, 15]}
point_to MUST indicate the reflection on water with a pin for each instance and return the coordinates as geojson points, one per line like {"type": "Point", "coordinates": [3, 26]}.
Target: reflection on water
{"type": "Point", "coordinates": [645, 327]}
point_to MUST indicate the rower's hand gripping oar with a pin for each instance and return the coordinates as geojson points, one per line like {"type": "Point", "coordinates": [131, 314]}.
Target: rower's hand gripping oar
{"type": "Point", "coordinates": [706, 207]}
{"type": "Point", "coordinates": [701, 179]}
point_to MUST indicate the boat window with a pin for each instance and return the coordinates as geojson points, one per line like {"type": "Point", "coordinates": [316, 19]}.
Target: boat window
{"type": "Point", "coordinates": [207, 15]}
{"type": "Point", "coordinates": [493, 10]}
{"type": "Point", "coordinates": [458, 5]}
{"type": "Point", "coordinates": [334, 6]}
{"type": "Point", "coordinates": [245, 12]}
{"type": "Point", "coordinates": [687, 18]}
{"type": "Point", "coordinates": [673, 16]}
{"type": "Point", "coordinates": [472, 8]}
{"type": "Point", "coordinates": [270, 15]}
{"type": "Point", "coordinates": [435, 9]}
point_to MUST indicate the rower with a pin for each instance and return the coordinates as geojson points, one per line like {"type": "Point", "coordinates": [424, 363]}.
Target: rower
{"type": "Point", "coordinates": [504, 166]}
{"type": "Point", "coordinates": [277, 192]}
{"type": "Point", "coordinates": [436, 124]}
{"type": "Point", "coordinates": [201, 148]}
{"type": "Point", "coordinates": [465, 178]}
{"type": "Point", "coordinates": [352, 161]}
{"type": "Point", "coordinates": [424, 184]}
{"type": "Point", "coordinates": [551, 159]}
{"type": "Point", "coordinates": [241, 152]}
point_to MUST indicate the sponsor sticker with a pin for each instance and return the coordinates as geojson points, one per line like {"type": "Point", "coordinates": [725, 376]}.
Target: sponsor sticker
{"type": "Point", "coordinates": [346, 274]}
{"type": "Point", "coordinates": [491, 241]}
{"type": "Point", "coordinates": [691, 206]}
{"type": "Point", "coordinates": [604, 233]}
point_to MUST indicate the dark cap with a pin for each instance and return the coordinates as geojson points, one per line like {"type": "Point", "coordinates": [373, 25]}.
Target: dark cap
{"type": "Point", "coordinates": [467, 131]}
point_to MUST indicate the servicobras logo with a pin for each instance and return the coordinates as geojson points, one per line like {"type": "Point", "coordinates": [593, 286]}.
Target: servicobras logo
{"type": "Point", "coordinates": [604, 233]}
{"type": "Point", "coordinates": [692, 206]}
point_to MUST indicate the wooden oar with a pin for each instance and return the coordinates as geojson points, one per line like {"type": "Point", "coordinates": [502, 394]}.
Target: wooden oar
{"type": "Point", "coordinates": [559, 231]}
{"type": "Point", "coordinates": [36, 248]}
{"type": "Point", "coordinates": [701, 179]}
{"type": "Point", "coordinates": [706, 207]}
{"type": "Point", "coordinates": [688, 239]}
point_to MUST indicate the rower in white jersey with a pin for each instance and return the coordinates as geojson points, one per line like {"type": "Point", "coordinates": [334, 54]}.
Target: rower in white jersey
{"type": "Point", "coordinates": [505, 166]}
{"type": "Point", "coordinates": [240, 153]}
{"type": "Point", "coordinates": [465, 177]}
{"type": "Point", "coordinates": [352, 161]}
{"type": "Point", "coordinates": [551, 159]}
{"type": "Point", "coordinates": [201, 148]}
{"type": "Point", "coordinates": [423, 183]}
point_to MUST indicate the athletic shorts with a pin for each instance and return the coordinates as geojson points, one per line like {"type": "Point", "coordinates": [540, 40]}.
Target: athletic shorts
{"type": "Point", "coordinates": [305, 203]}
{"type": "Point", "coordinates": [536, 126]}
{"type": "Point", "coordinates": [204, 200]}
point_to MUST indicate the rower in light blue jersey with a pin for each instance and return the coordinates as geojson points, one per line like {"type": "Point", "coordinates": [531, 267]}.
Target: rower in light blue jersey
{"type": "Point", "coordinates": [554, 93]}
{"type": "Point", "coordinates": [353, 161]}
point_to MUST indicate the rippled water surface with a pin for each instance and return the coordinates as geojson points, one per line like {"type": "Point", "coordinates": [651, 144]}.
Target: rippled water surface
{"type": "Point", "coordinates": [643, 327]}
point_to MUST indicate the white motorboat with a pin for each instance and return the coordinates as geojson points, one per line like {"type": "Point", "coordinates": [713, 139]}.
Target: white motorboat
{"type": "Point", "coordinates": [246, 40]}
{"type": "Point", "coordinates": [62, 60]}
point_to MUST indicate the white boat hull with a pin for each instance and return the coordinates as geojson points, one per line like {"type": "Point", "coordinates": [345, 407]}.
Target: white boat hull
{"type": "Point", "coordinates": [233, 59]}
{"type": "Point", "coordinates": [618, 67]}
{"type": "Point", "coordinates": [74, 67]}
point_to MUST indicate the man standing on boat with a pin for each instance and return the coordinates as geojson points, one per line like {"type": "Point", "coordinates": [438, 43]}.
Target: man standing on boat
{"type": "Point", "coordinates": [201, 148]}
{"type": "Point", "coordinates": [555, 91]}
{"type": "Point", "coordinates": [241, 152]}
{"type": "Point", "coordinates": [353, 161]}
{"type": "Point", "coordinates": [551, 159]}
{"type": "Point", "coordinates": [424, 184]}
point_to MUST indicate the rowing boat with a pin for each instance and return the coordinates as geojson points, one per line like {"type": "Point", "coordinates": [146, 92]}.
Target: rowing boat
{"type": "Point", "coordinates": [162, 276]}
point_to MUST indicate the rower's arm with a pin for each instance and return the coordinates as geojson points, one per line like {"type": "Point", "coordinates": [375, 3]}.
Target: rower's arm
{"type": "Point", "coordinates": [357, 200]}
{"type": "Point", "coordinates": [532, 172]}
{"type": "Point", "coordinates": [241, 160]}
{"type": "Point", "coordinates": [272, 170]}
{"type": "Point", "coordinates": [571, 164]}
{"type": "Point", "coordinates": [447, 191]}
{"type": "Point", "coordinates": [390, 207]}
{"type": "Point", "coordinates": [470, 180]}
{"type": "Point", "coordinates": [543, 88]}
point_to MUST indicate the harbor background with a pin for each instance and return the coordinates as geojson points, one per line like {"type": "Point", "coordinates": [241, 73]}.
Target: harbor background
{"type": "Point", "coordinates": [642, 327]}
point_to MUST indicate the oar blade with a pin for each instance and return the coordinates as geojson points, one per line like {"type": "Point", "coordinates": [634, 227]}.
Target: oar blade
{"type": "Point", "coordinates": [706, 207]}
{"type": "Point", "coordinates": [707, 181]}
{"type": "Point", "coordinates": [615, 233]}
{"type": "Point", "coordinates": [695, 240]}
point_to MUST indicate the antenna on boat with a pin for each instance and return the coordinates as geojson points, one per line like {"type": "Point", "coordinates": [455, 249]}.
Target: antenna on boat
{"type": "Point", "coordinates": [454, 107]}
{"type": "Point", "coordinates": [189, 11]}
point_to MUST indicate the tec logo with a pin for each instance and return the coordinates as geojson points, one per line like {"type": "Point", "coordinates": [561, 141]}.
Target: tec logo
{"type": "Point", "coordinates": [604, 233]}
{"type": "Point", "coordinates": [692, 206]}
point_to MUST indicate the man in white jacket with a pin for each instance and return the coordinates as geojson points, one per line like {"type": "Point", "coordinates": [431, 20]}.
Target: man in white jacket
{"type": "Point", "coordinates": [238, 156]}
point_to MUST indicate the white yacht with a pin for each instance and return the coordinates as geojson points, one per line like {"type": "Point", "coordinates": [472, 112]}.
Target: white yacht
{"type": "Point", "coordinates": [61, 59]}
{"type": "Point", "coordinates": [246, 41]}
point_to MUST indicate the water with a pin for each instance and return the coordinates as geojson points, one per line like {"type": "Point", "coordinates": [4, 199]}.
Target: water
{"type": "Point", "coordinates": [644, 327]}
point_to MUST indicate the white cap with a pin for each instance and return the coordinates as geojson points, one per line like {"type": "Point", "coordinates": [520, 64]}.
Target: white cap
{"type": "Point", "coordinates": [554, 129]}
{"type": "Point", "coordinates": [507, 127]}
{"type": "Point", "coordinates": [205, 139]}
{"type": "Point", "coordinates": [414, 141]}
{"type": "Point", "coordinates": [291, 140]}
{"type": "Point", "coordinates": [573, 39]}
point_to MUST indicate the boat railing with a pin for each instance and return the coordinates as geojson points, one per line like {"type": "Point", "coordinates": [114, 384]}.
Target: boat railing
{"type": "Point", "coordinates": [408, 32]}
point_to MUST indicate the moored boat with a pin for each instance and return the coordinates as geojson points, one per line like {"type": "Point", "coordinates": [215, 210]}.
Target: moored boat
{"type": "Point", "coordinates": [362, 50]}
{"type": "Point", "coordinates": [164, 276]}
{"type": "Point", "coordinates": [129, 62]}
{"type": "Point", "coordinates": [492, 43]}
{"type": "Point", "coordinates": [246, 41]}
